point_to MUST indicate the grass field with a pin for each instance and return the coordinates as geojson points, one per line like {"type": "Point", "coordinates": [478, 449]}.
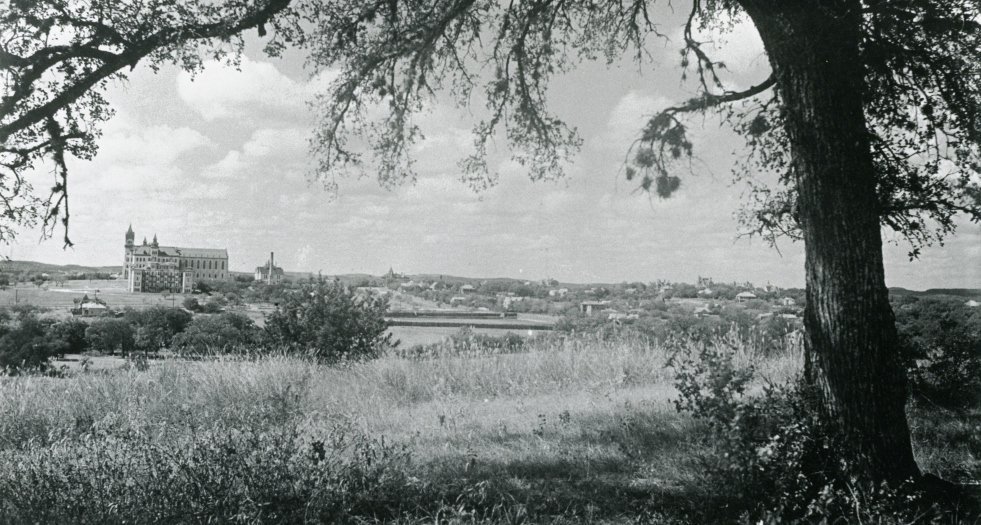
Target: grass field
{"type": "Point", "coordinates": [59, 296]}
{"type": "Point", "coordinates": [575, 431]}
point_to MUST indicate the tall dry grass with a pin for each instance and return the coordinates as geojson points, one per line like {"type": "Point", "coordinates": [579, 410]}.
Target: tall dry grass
{"type": "Point", "coordinates": [585, 412]}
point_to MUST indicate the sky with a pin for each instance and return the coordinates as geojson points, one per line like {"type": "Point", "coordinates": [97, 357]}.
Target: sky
{"type": "Point", "coordinates": [222, 160]}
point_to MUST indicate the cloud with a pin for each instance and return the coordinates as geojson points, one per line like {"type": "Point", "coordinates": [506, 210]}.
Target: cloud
{"type": "Point", "coordinates": [739, 46]}
{"type": "Point", "coordinates": [268, 150]}
{"type": "Point", "coordinates": [124, 144]}
{"type": "Point", "coordinates": [255, 88]}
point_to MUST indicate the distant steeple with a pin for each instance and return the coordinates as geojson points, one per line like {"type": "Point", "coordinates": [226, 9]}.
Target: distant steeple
{"type": "Point", "coordinates": [130, 236]}
{"type": "Point", "coordinates": [144, 241]}
{"type": "Point", "coordinates": [155, 244]}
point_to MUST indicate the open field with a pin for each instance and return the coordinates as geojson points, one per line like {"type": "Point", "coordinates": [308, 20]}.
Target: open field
{"type": "Point", "coordinates": [572, 431]}
{"type": "Point", "coordinates": [59, 297]}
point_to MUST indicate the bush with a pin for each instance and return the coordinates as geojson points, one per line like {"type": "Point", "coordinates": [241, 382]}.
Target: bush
{"type": "Point", "coordinates": [220, 333]}
{"type": "Point", "coordinates": [72, 332]}
{"type": "Point", "coordinates": [156, 327]}
{"type": "Point", "coordinates": [110, 336]}
{"type": "Point", "coordinates": [28, 345]}
{"type": "Point", "coordinates": [773, 452]}
{"type": "Point", "coordinates": [325, 320]}
{"type": "Point", "coordinates": [942, 338]}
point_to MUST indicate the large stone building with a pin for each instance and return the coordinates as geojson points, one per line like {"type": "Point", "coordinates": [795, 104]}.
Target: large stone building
{"type": "Point", "coordinates": [150, 267]}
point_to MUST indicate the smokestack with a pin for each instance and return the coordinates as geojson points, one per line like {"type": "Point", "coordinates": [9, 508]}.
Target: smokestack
{"type": "Point", "coordinates": [269, 274]}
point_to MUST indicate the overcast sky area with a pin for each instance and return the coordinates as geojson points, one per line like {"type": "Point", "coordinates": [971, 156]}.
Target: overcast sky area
{"type": "Point", "coordinates": [221, 160]}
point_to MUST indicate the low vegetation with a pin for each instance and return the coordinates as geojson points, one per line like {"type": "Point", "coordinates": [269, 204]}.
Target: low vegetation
{"type": "Point", "coordinates": [569, 429]}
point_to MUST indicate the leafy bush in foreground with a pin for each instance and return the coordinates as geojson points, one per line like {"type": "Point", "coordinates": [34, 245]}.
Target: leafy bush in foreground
{"type": "Point", "coordinates": [771, 449]}
{"type": "Point", "coordinates": [943, 339]}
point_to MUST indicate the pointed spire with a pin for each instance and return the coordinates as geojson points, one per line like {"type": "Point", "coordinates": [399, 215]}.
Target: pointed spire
{"type": "Point", "coordinates": [130, 230]}
{"type": "Point", "coordinates": [144, 241]}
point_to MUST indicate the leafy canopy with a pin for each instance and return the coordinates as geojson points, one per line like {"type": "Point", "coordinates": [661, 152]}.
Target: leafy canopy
{"type": "Point", "coordinates": [393, 57]}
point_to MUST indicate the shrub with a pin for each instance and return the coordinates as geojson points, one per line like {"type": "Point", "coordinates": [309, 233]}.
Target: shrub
{"type": "Point", "coordinates": [28, 345]}
{"type": "Point", "coordinates": [155, 327]}
{"type": "Point", "coordinates": [942, 338]}
{"type": "Point", "coordinates": [774, 453]}
{"type": "Point", "coordinates": [72, 332]}
{"type": "Point", "coordinates": [325, 320]}
{"type": "Point", "coordinates": [217, 334]}
{"type": "Point", "coordinates": [191, 304]}
{"type": "Point", "coordinates": [110, 336]}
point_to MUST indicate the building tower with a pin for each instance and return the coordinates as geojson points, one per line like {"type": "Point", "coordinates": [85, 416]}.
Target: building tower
{"type": "Point", "coordinates": [269, 274]}
{"type": "Point", "coordinates": [130, 239]}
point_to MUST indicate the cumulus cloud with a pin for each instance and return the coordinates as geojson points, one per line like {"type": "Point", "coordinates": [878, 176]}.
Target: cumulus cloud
{"type": "Point", "coordinates": [267, 150]}
{"type": "Point", "coordinates": [123, 143]}
{"type": "Point", "coordinates": [224, 92]}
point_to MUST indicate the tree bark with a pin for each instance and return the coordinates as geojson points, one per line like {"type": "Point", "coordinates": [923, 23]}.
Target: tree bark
{"type": "Point", "coordinates": [852, 346]}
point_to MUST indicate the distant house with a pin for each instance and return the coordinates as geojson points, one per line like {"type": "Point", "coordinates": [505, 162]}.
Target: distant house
{"type": "Point", "coordinates": [89, 309]}
{"type": "Point", "coordinates": [972, 304]}
{"type": "Point", "coordinates": [410, 285]}
{"type": "Point", "coordinates": [468, 288]}
{"type": "Point", "coordinates": [369, 290]}
{"type": "Point", "coordinates": [459, 299]}
{"type": "Point", "coordinates": [559, 292]}
{"type": "Point", "coordinates": [507, 301]}
{"type": "Point", "coordinates": [269, 273]}
{"type": "Point", "coordinates": [705, 291]}
{"type": "Point", "coordinates": [587, 307]}
{"type": "Point", "coordinates": [742, 297]}
{"type": "Point", "coordinates": [786, 301]}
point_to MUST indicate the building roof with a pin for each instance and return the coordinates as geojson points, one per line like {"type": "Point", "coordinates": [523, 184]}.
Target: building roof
{"type": "Point", "coordinates": [92, 306]}
{"type": "Point", "coordinates": [176, 251]}
{"type": "Point", "coordinates": [213, 253]}
{"type": "Point", "coordinates": [746, 295]}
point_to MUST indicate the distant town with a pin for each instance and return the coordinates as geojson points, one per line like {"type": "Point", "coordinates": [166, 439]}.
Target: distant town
{"type": "Point", "coordinates": [200, 280]}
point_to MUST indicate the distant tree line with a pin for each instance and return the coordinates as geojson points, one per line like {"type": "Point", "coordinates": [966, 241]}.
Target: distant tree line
{"type": "Point", "coordinates": [320, 319]}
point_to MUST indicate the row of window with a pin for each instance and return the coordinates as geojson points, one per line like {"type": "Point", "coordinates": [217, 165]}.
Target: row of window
{"type": "Point", "coordinates": [203, 265]}
{"type": "Point", "coordinates": [196, 264]}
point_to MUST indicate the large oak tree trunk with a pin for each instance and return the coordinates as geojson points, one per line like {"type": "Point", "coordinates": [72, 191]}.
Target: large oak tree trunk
{"type": "Point", "coordinates": [852, 352]}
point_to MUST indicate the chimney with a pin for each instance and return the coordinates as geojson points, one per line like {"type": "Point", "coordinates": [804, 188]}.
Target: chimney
{"type": "Point", "coordinates": [269, 274]}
